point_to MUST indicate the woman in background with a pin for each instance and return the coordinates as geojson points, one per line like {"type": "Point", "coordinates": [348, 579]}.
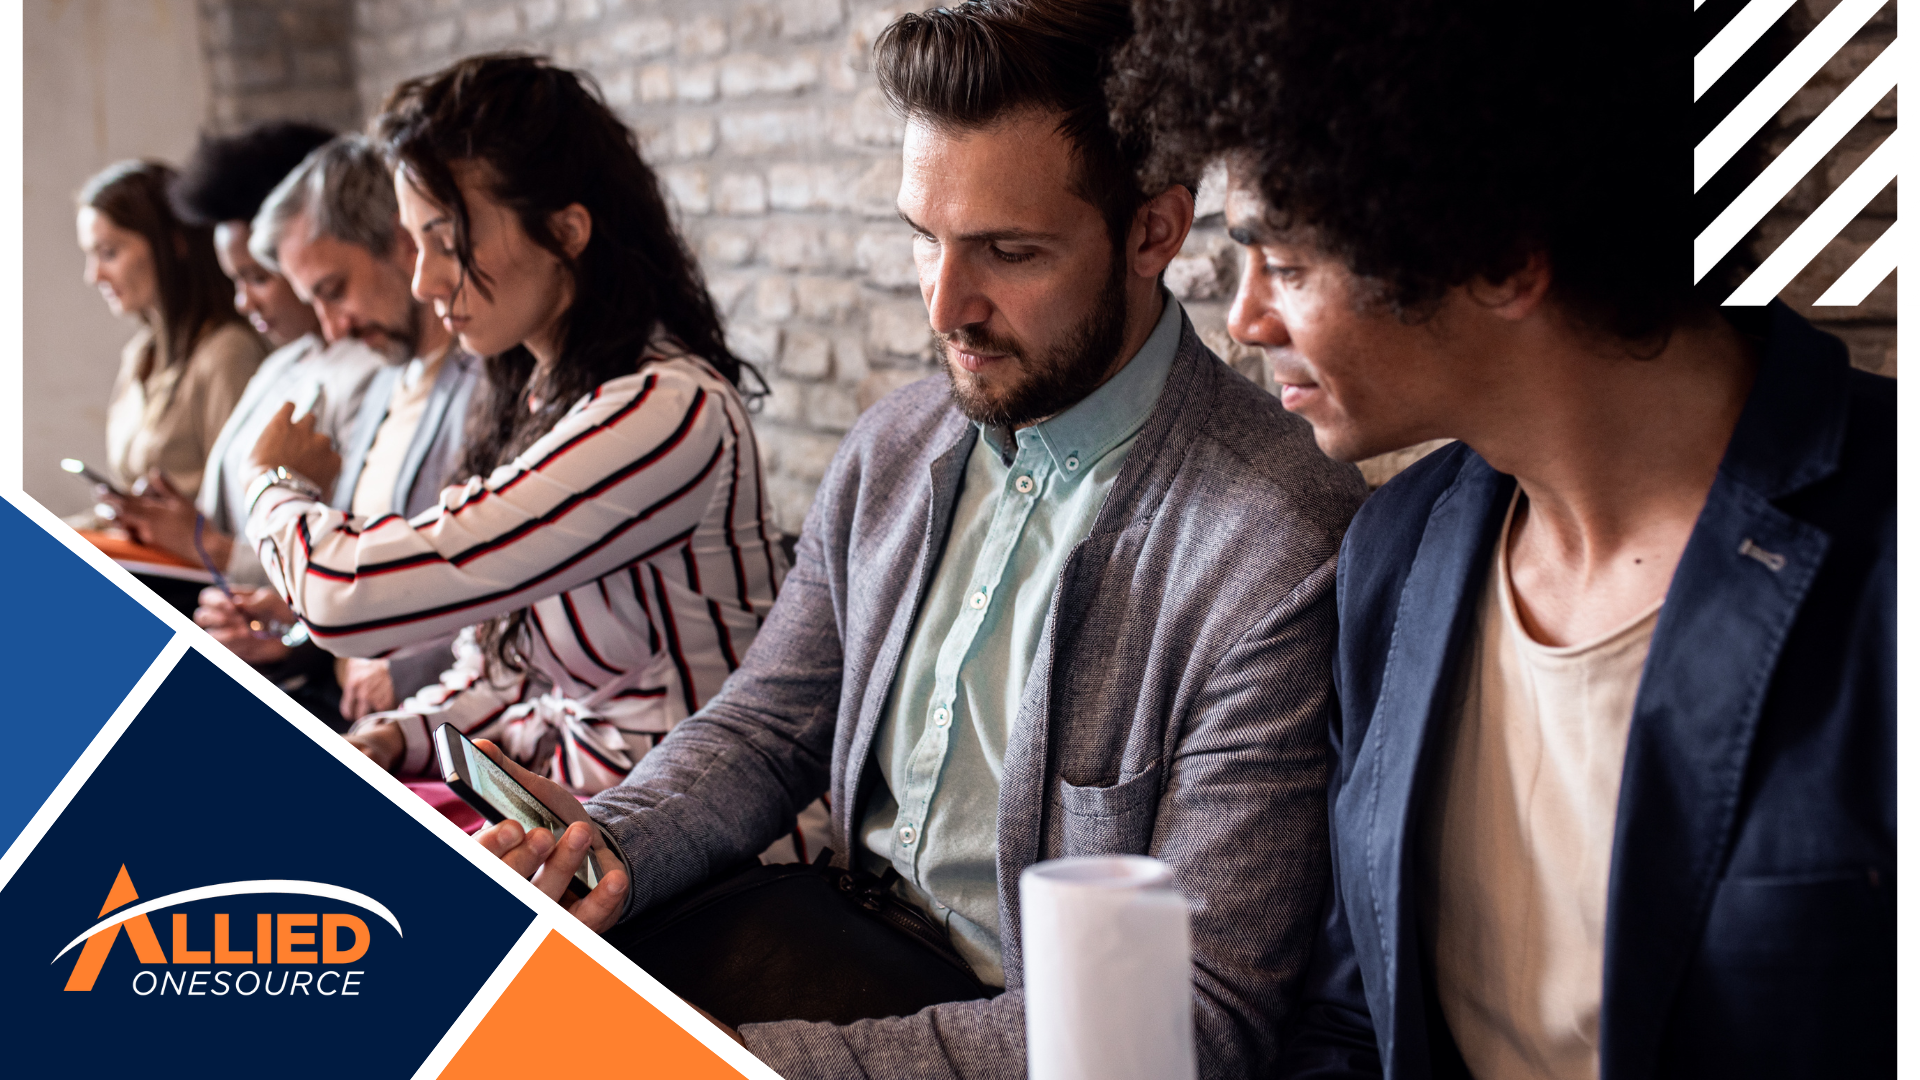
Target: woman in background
{"type": "Point", "coordinates": [611, 543]}
{"type": "Point", "coordinates": [188, 364]}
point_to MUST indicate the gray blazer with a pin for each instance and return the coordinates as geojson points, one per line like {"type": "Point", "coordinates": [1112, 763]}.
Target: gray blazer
{"type": "Point", "coordinates": [432, 462]}
{"type": "Point", "coordinates": [1178, 708]}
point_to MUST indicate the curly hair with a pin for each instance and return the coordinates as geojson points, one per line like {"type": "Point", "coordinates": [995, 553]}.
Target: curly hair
{"type": "Point", "coordinates": [229, 176]}
{"type": "Point", "coordinates": [1426, 143]}
{"type": "Point", "coordinates": [548, 141]}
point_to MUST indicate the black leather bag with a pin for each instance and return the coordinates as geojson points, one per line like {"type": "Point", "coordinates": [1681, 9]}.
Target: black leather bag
{"type": "Point", "coordinates": [797, 942]}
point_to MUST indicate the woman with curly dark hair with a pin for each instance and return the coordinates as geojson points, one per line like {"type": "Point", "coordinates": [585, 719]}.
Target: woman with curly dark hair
{"type": "Point", "coordinates": [185, 368]}
{"type": "Point", "coordinates": [610, 550]}
{"type": "Point", "coordinates": [1615, 789]}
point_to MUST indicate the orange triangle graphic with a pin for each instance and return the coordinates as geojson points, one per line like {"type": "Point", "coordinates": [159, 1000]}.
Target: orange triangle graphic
{"type": "Point", "coordinates": [93, 956]}
{"type": "Point", "coordinates": [611, 1029]}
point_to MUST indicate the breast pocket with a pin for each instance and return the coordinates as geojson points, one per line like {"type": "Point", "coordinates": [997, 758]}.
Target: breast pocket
{"type": "Point", "coordinates": [1116, 819]}
{"type": "Point", "coordinates": [1794, 977]}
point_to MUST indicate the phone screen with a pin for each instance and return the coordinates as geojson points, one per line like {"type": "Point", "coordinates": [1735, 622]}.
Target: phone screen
{"type": "Point", "coordinates": [464, 762]}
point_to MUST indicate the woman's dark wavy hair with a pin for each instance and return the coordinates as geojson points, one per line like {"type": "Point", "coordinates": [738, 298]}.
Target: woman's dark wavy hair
{"type": "Point", "coordinates": [1429, 142]}
{"type": "Point", "coordinates": [547, 140]}
{"type": "Point", "coordinates": [195, 298]}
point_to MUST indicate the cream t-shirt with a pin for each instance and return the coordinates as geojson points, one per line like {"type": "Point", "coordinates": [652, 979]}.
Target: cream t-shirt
{"type": "Point", "coordinates": [1518, 848]}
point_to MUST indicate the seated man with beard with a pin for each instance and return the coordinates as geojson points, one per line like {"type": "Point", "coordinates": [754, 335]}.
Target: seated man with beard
{"type": "Point", "coordinates": [1075, 598]}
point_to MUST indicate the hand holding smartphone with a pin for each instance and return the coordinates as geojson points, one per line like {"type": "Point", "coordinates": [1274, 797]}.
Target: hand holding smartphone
{"type": "Point", "coordinates": [497, 796]}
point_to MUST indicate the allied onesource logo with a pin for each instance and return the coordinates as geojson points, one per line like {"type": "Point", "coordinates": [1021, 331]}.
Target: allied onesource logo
{"type": "Point", "coordinates": [285, 952]}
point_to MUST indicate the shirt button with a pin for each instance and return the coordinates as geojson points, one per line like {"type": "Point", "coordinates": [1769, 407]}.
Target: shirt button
{"type": "Point", "coordinates": [906, 835]}
{"type": "Point", "coordinates": [941, 717]}
{"type": "Point", "coordinates": [977, 600]}
{"type": "Point", "coordinates": [1073, 464]}
{"type": "Point", "coordinates": [1024, 485]}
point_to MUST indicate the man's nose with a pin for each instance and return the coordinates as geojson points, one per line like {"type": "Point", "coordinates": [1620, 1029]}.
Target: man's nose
{"type": "Point", "coordinates": [1253, 319]}
{"type": "Point", "coordinates": [335, 325]}
{"type": "Point", "coordinates": [953, 297]}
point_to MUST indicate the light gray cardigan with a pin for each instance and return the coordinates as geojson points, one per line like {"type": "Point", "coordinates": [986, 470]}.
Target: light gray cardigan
{"type": "Point", "coordinates": [1178, 708]}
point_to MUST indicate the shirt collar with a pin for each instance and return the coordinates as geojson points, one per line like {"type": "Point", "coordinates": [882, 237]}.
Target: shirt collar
{"type": "Point", "coordinates": [1114, 412]}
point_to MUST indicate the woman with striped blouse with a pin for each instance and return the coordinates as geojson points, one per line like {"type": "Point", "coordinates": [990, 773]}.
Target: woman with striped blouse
{"type": "Point", "coordinates": [610, 555]}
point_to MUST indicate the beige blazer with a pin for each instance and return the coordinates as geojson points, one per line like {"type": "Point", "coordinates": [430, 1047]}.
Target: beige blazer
{"type": "Point", "coordinates": [170, 419]}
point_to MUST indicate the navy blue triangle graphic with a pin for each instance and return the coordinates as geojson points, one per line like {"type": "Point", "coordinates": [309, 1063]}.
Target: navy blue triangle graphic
{"type": "Point", "coordinates": [71, 646]}
{"type": "Point", "coordinates": [209, 786]}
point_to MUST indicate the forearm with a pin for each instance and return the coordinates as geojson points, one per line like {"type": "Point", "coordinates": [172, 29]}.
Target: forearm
{"type": "Point", "coordinates": [961, 1040]}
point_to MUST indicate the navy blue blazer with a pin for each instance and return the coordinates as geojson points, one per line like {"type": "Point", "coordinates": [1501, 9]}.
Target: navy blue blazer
{"type": "Point", "coordinates": [1750, 917]}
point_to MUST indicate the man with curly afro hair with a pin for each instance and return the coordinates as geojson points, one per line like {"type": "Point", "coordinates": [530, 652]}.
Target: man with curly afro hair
{"type": "Point", "coordinates": [1615, 781]}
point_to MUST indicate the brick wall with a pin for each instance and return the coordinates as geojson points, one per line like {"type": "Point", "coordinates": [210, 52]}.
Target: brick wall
{"type": "Point", "coordinates": [765, 123]}
{"type": "Point", "coordinates": [279, 59]}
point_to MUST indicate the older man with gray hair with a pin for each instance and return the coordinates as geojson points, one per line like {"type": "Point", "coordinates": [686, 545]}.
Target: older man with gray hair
{"type": "Point", "coordinates": [331, 228]}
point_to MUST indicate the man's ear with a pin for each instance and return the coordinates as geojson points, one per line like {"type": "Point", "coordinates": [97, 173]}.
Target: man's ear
{"type": "Point", "coordinates": [1160, 227]}
{"type": "Point", "coordinates": [1521, 294]}
{"type": "Point", "coordinates": [572, 225]}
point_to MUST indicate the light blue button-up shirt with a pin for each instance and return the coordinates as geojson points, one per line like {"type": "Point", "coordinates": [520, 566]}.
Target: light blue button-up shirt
{"type": "Point", "coordinates": [1021, 508]}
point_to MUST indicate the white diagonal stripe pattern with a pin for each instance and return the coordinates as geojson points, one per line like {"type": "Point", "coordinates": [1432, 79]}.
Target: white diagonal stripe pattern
{"type": "Point", "coordinates": [1774, 91]}
{"type": "Point", "coordinates": [1869, 270]}
{"type": "Point", "coordinates": [1733, 41]}
{"type": "Point", "coordinates": [1798, 159]}
{"type": "Point", "coordinates": [1821, 226]}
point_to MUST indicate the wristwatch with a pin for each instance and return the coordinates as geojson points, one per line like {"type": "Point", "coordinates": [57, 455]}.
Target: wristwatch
{"type": "Point", "coordinates": [281, 476]}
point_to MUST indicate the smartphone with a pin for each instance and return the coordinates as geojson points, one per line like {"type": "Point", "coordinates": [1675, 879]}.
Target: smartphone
{"type": "Point", "coordinates": [488, 789]}
{"type": "Point", "coordinates": [81, 469]}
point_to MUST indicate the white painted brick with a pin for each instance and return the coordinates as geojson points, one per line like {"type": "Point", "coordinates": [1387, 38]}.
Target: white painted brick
{"type": "Point", "coordinates": [884, 382]}
{"type": "Point", "coordinates": [798, 186]}
{"type": "Point", "coordinates": [1212, 197]}
{"type": "Point", "coordinates": [849, 358]}
{"type": "Point", "coordinates": [748, 74]}
{"type": "Point", "coordinates": [801, 18]}
{"type": "Point", "coordinates": [805, 456]}
{"type": "Point", "coordinates": [899, 327]}
{"type": "Point", "coordinates": [580, 11]}
{"type": "Point", "coordinates": [791, 246]}
{"type": "Point", "coordinates": [824, 299]}
{"type": "Point", "coordinates": [754, 343]}
{"type": "Point", "coordinates": [727, 289]}
{"type": "Point", "coordinates": [693, 136]}
{"type": "Point", "coordinates": [687, 186]}
{"type": "Point", "coordinates": [492, 25]}
{"type": "Point", "coordinates": [618, 87]}
{"type": "Point", "coordinates": [1193, 277]}
{"type": "Point", "coordinates": [540, 14]}
{"type": "Point", "coordinates": [877, 193]}
{"type": "Point", "coordinates": [789, 499]}
{"type": "Point", "coordinates": [873, 121]}
{"type": "Point", "coordinates": [753, 22]}
{"type": "Point", "coordinates": [655, 84]}
{"type": "Point", "coordinates": [704, 36]}
{"type": "Point", "coordinates": [726, 247]}
{"type": "Point", "coordinates": [885, 255]}
{"type": "Point", "coordinates": [741, 194]}
{"type": "Point", "coordinates": [438, 35]}
{"type": "Point", "coordinates": [806, 354]}
{"type": "Point", "coordinates": [832, 408]}
{"type": "Point", "coordinates": [786, 402]}
{"type": "Point", "coordinates": [773, 298]}
{"type": "Point", "coordinates": [639, 38]}
{"type": "Point", "coordinates": [763, 131]}
{"type": "Point", "coordinates": [697, 83]}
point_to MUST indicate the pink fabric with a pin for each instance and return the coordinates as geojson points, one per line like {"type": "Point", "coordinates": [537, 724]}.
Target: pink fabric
{"type": "Point", "coordinates": [453, 807]}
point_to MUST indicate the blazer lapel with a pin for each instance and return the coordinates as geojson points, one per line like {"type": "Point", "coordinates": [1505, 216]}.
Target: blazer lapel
{"type": "Point", "coordinates": [445, 382]}
{"type": "Point", "coordinates": [944, 475]}
{"type": "Point", "coordinates": [1735, 594]}
{"type": "Point", "coordinates": [1376, 814]}
{"type": "Point", "coordinates": [373, 409]}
